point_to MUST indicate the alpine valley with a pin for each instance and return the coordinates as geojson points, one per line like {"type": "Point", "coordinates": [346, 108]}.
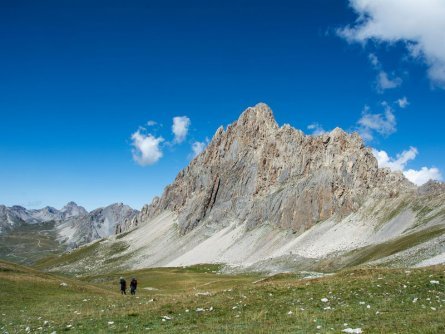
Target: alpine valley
{"type": "Point", "coordinates": [29, 235]}
{"type": "Point", "coordinates": [268, 230]}
{"type": "Point", "coordinates": [262, 198]}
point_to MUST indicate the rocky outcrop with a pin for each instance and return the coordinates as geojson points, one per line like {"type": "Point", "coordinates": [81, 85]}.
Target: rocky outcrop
{"type": "Point", "coordinates": [71, 209]}
{"type": "Point", "coordinates": [97, 224]}
{"type": "Point", "coordinates": [255, 172]}
{"type": "Point", "coordinates": [9, 219]}
{"type": "Point", "coordinates": [432, 188]}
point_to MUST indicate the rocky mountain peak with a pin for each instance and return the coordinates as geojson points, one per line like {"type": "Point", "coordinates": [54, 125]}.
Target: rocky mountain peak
{"type": "Point", "coordinates": [260, 116]}
{"type": "Point", "coordinates": [18, 208]}
{"type": "Point", "coordinates": [49, 209]}
{"type": "Point", "coordinates": [71, 209]}
{"type": "Point", "coordinates": [255, 124]}
{"type": "Point", "coordinates": [432, 188]}
{"type": "Point", "coordinates": [96, 224]}
{"type": "Point", "coordinates": [256, 172]}
{"type": "Point", "coordinates": [70, 205]}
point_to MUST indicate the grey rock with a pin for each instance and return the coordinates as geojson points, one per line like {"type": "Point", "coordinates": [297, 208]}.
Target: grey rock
{"type": "Point", "coordinates": [15, 216]}
{"type": "Point", "coordinates": [97, 224]}
{"type": "Point", "coordinates": [75, 225]}
{"type": "Point", "coordinates": [432, 188]}
{"type": "Point", "coordinates": [256, 172]}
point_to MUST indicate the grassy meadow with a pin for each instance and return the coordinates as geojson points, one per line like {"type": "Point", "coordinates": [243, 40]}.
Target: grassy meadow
{"type": "Point", "coordinates": [199, 299]}
{"type": "Point", "coordinates": [29, 243]}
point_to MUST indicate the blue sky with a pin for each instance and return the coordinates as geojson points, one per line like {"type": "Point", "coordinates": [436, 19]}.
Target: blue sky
{"type": "Point", "coordinates": [78, 80]}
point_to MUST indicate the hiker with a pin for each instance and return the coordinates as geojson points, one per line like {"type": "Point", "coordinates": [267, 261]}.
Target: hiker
{"type": "Point", "coordinates": [133, 286]}
{"type": "Point", "coordinates": [123, 284]}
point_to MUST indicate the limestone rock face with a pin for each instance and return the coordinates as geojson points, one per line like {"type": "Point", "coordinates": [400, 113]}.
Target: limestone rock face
{"type": "Point", "coordinates": [256, 172]}
{"type": "Point", "coordinates": [99, 223]}
{"type": "Point", "coordinates": [432, 188]}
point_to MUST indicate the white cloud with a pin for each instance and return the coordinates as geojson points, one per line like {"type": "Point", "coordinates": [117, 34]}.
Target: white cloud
{"type": "Point", "coordinates": [397, 164]}
{"type": "Point", "coordinates": [316, 129]}
{"type": "Point", "coordinates": [146, 148]}
{"type": "Point", "coordinates": [198, 147]}
{"type": "Point", "coordinates": [423, 175]}
{"type": "Point", "coordinates": [180, 128]}
{"type": "Point", "coordinates": [374, 61]}
{"type": "Point", "coordinates": [385, 82]}
{"type": "Point", "coordinates": [420, 24]}
{"type": "Point", "coordinates": [417, 177]}
{"type": "Point", "coordinates": [383, 123]}
{"type": "Point", "coordinates": [403, 102]}
{"type": "Point", "coordinates": [152, 123]}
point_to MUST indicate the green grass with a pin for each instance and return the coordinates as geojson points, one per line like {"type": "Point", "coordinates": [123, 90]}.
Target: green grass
{"type": "Point", "coordinates": [424, 216]}
{"type": "Point", "coordinates": [29, 243]}
{"type": "Point", "coordinates": [117, 247]}
{"type": "Point", "coordinates": [123, 234]}
{"type": "Point", "coordinates": [69, 257]}
{"type": "Point", "coordinates": [382, 250]}
{"type": "Point", "coordinates": [379, 251]}
{"type": "Point", "coordinates": [28, 298]}
{"type": "Point", "coordinates": [440, 213]}
{"type": "Point", "coordinates": [392, 214]}
{"type": "Point", "coordinates": [101, 253]}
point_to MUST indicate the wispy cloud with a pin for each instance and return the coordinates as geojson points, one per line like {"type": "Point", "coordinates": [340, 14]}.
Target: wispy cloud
{"type": "Point", "coordinates": [400, 162]}
{"type": "Point", "coordinates": [383, 81]}
{"type": "Point", "coordinates": [382, 123]}
{"type": "Point", "coordinates": [146, 148]}
{"type": "Point", "coordinates": [419, 24]}
{"type": "Point", "coordinates": [403, 102]}
{"type": "Point", "coordinates": [375, 62]}
{"type": "Point", "coordinates": [316, 129]}
{"type": "Point", "coordinates": [180, 128]}
{"type": "Point", "coordinates": [397, 164]}
{"type": "Point", "coordinates": [198, 147]}
{"type": "Point", "coordinates": [423, 175]}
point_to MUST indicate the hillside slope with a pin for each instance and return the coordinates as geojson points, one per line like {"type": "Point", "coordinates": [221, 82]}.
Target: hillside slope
{"type": "Point", "coordinates": [200, 299]}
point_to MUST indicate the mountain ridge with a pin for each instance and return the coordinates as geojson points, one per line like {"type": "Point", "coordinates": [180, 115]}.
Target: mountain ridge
{"type": "Point", "coordinates": [19, 214]}
{"type": "Point", "coordinates": [266, 197]}
{"type": "Point", "coordinates": [24, 234]}
{"type": "Point", "coordinates": [333, 172]}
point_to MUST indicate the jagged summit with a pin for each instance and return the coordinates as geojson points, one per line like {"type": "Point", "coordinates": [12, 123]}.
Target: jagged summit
{"type": "Point", "coordinates": [256, 172]}
{"type": "Point", "coordinates": [70, 204]}
{"type": "Point", "coordinates": [432, 187]}
{"type": "Point", "coordinates": [71, 209]}
{"type": "Point", "coordinates": [260, 116]}
{"type": "Point", "coordinates": [98, 223]}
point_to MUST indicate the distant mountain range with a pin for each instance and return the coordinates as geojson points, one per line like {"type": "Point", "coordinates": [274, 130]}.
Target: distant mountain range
{"type": "Point", "coordinates": [16, 215]}
{"type": "Point", "coordinates": [73, 225]}
{"type": "Point", "coordinates": [99, 223]}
